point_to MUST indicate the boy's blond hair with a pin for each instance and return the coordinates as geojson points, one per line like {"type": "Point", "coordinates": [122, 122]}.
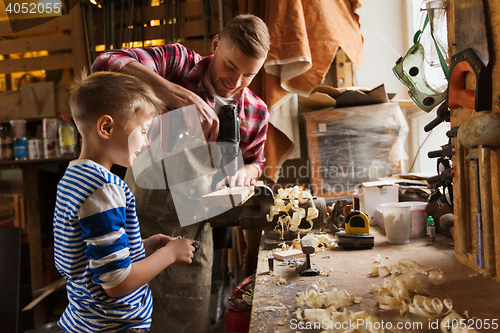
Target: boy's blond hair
{"type": "Point", "coordinates": [249, 34]}
{"type": "Point", "coordinates": [118, 95]}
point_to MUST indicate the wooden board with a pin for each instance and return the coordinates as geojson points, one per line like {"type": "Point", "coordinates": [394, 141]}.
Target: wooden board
{"type": "Point", "coordinates": [274, 305]}
{"type": "Point", "coordinates": [282, 255]}
{"type": "Point", "coordinates": [221, 197]}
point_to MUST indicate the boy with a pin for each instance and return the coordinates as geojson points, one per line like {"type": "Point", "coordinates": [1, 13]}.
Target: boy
{"type": "Point", "coordinates": [181, 77]}
{"type": "Point", "coordinates": [97, 243]}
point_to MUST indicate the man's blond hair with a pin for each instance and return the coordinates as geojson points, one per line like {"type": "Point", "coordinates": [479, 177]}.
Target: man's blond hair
{"type": "Point", "coordinates": [118, 95]}
{"type": "Point", "coordinates": [249, 34]}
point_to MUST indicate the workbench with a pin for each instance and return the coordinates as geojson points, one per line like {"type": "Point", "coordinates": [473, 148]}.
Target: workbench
{"type": "Point", "coordinates": [274, 304]}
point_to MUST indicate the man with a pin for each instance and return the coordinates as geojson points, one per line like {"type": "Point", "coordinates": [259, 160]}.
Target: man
{"type": "Point", "coordinates": [180, 77]}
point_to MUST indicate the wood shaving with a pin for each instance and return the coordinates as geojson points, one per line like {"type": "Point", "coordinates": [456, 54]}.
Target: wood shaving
{"type": "Point", "coordinates": [316, 296]}
{"type": "Point", "coordinates": [281, 281]}
{"type": "Point", "coordinates": [404, 293]}
{"type": "Point", "coordinates": [290, 215]}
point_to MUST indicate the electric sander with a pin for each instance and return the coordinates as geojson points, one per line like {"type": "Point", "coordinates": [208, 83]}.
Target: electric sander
{"type": "Point", "coordinates": [357, 232]}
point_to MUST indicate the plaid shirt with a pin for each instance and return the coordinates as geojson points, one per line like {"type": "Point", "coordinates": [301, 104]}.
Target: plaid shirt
{"type": "Point", "coordinates": [186, 68]}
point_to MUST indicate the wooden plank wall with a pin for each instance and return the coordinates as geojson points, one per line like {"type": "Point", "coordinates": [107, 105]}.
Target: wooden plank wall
{"type": "Point", "coordinates": [62, 37]}
{"type": "Point", "coordinates": [464, 179]}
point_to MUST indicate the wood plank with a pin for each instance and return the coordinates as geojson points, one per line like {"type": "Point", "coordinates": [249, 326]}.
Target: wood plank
{"type": "Point", "coordinates": [221, 197]}
{"type": "Point", "coordinates": [41, 43]}
{"type": "Point", "coordinates": [283, 255]}
{"type": "Point", "coordinates": [58, 61]}
{"type": "Point", "coordinates": [58, 24]}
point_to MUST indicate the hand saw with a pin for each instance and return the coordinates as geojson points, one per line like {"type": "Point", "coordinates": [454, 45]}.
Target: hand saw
{"type": "Point", "coordinates": [471, 56]}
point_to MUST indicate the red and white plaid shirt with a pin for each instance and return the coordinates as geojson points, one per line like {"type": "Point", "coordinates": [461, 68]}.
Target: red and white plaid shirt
{"type": "Point", "coordinates": [186, 68]}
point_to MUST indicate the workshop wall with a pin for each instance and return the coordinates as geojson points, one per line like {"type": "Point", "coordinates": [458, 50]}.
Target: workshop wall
{"type": "Point", "coordinates": [464, 181]}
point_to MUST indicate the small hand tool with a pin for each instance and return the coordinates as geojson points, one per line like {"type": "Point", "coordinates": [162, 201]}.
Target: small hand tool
{"type": "Point", "coordinates": [307, 268]}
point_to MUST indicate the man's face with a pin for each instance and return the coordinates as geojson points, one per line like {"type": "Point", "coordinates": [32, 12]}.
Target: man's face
{"type": "Point", "coordinates": [230, 70]}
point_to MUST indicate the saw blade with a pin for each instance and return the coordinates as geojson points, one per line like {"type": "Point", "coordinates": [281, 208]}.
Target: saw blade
{"type": "Point", "coordinates": [470, 28]}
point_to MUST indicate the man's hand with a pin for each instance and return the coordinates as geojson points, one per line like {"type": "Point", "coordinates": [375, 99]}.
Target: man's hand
{"type": "Point", "coordinates": [206, 116]}
{"type": "Point", "coordinates": [245, 176]}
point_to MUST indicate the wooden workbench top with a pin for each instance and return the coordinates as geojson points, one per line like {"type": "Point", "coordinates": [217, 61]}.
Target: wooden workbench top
{"type": "Point", "coordinates": [274, 304]}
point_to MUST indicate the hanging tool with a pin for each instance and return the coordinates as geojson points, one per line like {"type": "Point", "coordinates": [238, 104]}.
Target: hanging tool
{"type": "Point", "coordinates": [447, 150]}
{"type": "Point", "coordinates": [471, 56]}
{"type": "Point", "coordinates": [479, 220]}
{"type": "Point", "coordinates": [443, 114]}
{"type": "Point", "coordinates": [357, 232]}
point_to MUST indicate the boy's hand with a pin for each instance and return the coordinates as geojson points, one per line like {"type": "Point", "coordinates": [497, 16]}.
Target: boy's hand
{"type": "Point", "coordinates": [181, 250]}
{"type": "Point", "coordinates": [155, 242]}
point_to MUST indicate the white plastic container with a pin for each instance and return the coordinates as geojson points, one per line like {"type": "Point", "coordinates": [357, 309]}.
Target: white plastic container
{"type": "Point", "coordinates": [372, 194]}
{"type": "Point", "coordinates": [418, 218]}
{"type": "Point", "coordinates": [397, 220]}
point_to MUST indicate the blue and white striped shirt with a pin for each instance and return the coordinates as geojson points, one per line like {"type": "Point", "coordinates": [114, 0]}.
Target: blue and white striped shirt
{"type": "Point", "coordinates": [96, 238]}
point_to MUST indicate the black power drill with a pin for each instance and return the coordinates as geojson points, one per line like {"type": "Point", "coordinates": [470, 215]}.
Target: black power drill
{"type": "Point", "coordinates": [229, 139]}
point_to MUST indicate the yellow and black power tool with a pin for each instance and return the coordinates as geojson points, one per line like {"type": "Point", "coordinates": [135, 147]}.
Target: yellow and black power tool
{"type": "Point", "coordinates": [357, 232]}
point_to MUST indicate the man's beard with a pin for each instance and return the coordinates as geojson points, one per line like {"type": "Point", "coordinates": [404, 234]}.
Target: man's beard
{"type": "Point", "coordinates": [220, 91]}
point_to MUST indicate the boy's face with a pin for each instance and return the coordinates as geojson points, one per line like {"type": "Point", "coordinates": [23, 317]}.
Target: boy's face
{"type": "Point", "coordinates": [133, 138]}
{"type": "Point", "coordinates": [230, 70]}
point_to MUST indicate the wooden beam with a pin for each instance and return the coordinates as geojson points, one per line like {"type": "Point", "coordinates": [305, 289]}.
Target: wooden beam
{"type": "Point", "coordinates": [58, 24]}
{"type": "Point", "coordinates": [57, 61]}
{"type": "Point", "coordinates": [42, 43]}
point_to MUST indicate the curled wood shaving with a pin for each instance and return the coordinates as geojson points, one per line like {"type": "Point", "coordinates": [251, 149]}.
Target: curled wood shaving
{"type": "Point", "coordinates": [286, 204]}
{"type": "Point", "coordinates": [316, 296]}
{"type": "Point", "coordinates": [396, 292]}
{"type": "Point", "coordinates": [320, 241]}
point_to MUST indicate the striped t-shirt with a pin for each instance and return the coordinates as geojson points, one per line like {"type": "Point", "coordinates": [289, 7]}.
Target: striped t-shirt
{"type": "Point", "coordinates": [96, 238]}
